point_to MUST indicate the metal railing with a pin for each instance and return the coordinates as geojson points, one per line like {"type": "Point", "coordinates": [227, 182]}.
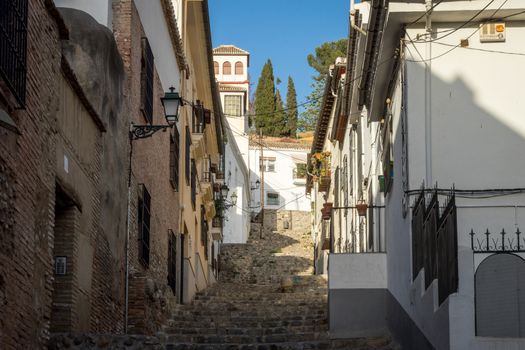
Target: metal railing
{"type": "Point", "coordinates": [501, 242]}
{"type": "Point", "coordinates": [13, 47]}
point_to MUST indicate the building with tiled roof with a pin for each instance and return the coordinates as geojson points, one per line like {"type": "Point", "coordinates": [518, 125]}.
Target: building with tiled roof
{"type": "Point", "coordinates": [229, 50]}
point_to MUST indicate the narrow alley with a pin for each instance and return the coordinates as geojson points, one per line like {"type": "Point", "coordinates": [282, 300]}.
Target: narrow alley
{"type": "Point", "coordinates": [267, 298]}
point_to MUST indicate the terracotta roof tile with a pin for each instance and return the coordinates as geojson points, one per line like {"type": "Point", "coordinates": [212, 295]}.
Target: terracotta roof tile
{"type": "Point", "coordinates": [229, 50]}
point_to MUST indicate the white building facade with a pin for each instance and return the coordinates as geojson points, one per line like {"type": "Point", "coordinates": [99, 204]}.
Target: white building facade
{"type": "Point", "coordinates": [282, 177]}
{"type": "Point", "coordinates": [431, 133]}
{"type": "Point", "coordinates": [231, 71]}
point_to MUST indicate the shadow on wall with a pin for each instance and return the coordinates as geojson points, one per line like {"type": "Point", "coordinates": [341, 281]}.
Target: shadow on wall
{"type": "Point", "coordinates": [472, 148]}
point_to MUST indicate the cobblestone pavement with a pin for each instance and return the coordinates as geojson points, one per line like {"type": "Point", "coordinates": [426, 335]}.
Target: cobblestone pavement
{"type": "Point", "coordinates": [267, 298]}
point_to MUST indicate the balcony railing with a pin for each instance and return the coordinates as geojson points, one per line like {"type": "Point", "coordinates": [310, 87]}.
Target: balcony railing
{"type": "Point", "coordinates": [198, 120]}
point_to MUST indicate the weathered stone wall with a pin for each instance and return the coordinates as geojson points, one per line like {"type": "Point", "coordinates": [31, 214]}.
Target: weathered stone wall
{"type": "Point", "coordinates": [27, 163]}
{"type": "Point", "coordinates": [87, 342]}
{"type": "Point", "coordinates": [150, 297]}
{"type": "Point", "coordinates": [298, 221]}
{"type": "Point", "coordinates": [92, 54]}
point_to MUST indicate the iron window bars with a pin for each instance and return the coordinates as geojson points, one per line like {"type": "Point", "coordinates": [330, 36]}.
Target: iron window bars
{"type": "Point", "coordinates": [13, 47]}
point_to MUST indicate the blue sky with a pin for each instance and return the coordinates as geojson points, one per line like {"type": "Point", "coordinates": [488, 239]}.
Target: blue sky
{"type": "Point", "coordinates": [285, 31]}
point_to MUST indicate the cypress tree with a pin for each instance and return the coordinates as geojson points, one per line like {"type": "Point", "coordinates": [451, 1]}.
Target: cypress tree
{"type": "Point", "coordinates": [265, 100]}
{"type": "Point", "coordinates": [279, 118]}
{"type": "Point", "coordinates": [291, 106]}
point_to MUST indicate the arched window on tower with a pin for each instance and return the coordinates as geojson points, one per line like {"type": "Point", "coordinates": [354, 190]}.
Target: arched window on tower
{"type": "Point", "coordinates": [226, 68]}
{"type": "Point", "coordinates": [238, 68]}
{"type": "Point", "coordinates": [216, 67]}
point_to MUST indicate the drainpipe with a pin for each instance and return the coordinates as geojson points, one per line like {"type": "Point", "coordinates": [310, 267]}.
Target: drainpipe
{"type": "Point", "coordinates": [428, 96]}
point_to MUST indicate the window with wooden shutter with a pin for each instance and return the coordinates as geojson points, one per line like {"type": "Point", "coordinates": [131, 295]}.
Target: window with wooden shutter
{"type": "Point", "coordinates": [226, 68]}
{"type": "Point", "coordinates": [146, 81]}
{"type": "Point", "coordinates": [174, 158]}
{"type": "Point", "coordinates": [187, 155]}
{"type": "Point", "coordinates": [144, 221]}
{"type": "Point", "coordinates": [239, 68]}
{"type": "Point", "coordinates": [13, 47]}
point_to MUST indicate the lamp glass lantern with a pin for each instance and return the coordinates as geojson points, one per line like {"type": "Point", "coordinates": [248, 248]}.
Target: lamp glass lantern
{"type": "Point", "coordinates": [233, 198]}
{"type": "Point", "coordinates": [171, 103]}
{"type": "Point", "coordinates": [224, 191]}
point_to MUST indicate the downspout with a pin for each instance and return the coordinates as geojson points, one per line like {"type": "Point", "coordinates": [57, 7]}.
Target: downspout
{"type": "Point", "coordinates": [128, 222]}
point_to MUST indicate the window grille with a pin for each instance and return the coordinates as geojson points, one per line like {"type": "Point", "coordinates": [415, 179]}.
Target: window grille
{"type": "Point", "coordinates": [447, 251]}
{"type": "Point", "coordinates": [418, 220]}
{"type": "Point", "coordinates": [13, 47]}
{"type": "Point", "coordinates": [272, 198]}
{"type": "Point", "coordinates": [198, 118]}
{"type": "Point", "coordinates": [60, 265]}
{"type": "Point", "coordinates": [193, 183]}
{"type": "Point", "coordinates": [174, 158]}
{"type": "Point", "coordinates": [232, 105]}
{"type": "Point", "coordinates": [147, 81]}
{"type": "Point", "coordinates": [172, 262]}
{"type": "Point", "coordinates": [187, 155]}
{"type": "Point", "coordinates": [204, 231]}
{"type": "Point", "coordinates": [430, 240]}
{"type": "Point", "coordinates": [144, 220]}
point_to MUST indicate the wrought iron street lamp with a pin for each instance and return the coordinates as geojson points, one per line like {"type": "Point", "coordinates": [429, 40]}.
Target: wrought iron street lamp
{"type": "Point", "coordinates": [171, 103]}
{"type": "Point", "coordinates": [224, 195]}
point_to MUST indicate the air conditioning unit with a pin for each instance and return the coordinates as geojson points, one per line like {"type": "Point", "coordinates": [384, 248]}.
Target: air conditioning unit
{"type": "Point", "coordinates": [492, 32]}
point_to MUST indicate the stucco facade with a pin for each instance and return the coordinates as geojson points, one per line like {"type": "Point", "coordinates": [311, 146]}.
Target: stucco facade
{"type": "Point", "coordinates": [424, 118]}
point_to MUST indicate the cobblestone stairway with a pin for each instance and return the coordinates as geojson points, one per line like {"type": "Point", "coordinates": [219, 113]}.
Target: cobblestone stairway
{"type": "Point", "coordinates": [267, 298]}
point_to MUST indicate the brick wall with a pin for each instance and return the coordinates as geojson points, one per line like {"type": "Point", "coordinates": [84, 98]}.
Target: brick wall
{"type": "Point", "coordinates": [27, 204]}
{"type": "Point", "coordinates": [150, 298]}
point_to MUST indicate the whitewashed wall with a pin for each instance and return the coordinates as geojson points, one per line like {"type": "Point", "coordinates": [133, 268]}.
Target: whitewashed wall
{"type": "Point", "coordinates": [291, 193]}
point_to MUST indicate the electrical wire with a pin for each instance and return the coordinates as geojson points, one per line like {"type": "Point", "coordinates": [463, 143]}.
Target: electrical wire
{"type": "Point", "coordinates": [426, 13]}
{"type": "Point", "coordinates": [310, 101]}
{"type": "Point", "coordinates": [454, 46]}
{"type": "Point", "coordinates": [468, 21]}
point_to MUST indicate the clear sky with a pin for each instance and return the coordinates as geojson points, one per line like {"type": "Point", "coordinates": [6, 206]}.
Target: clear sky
{"type": "Point", "coordinates": [285, 31]}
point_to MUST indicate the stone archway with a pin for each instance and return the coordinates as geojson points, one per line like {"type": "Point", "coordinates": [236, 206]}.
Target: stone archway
{"type": "Point", "coordinates": [500, 296]}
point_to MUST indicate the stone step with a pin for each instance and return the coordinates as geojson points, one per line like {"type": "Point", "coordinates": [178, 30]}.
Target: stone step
{"type": "Point", "coordinates": [245, 339]}
{"type": "Point", "coordinates": [244, 323]}
{"type": "Point", "coordinates": [257, 331]}
{"type": "Point", "coordinates": [357, 344]}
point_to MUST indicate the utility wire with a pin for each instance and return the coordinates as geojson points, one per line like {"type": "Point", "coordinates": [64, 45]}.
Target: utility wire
{"type": "Point", "coordinates": [454, 46]}
{"type": "Point", "coordinates": [469, 21]}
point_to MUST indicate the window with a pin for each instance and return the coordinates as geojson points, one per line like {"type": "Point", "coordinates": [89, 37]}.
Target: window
{"type": "Point", "coordinates": [144, 216]}
{"type": "Point", "coordinates": [216, 67]}
{"type": "Point", "coordinates": [187, 155]}
{"type": "Point", "coordinates": [204, 231]}
{"type": "Point", "coordinates": [13, 47]}
{"type": "Point", "coordinates": [226, 68]}
{"type": "Point", "coordinates": [299, 171]}
{"type": "Point", "coordinates": [193, 183]}
{"type": "Point", "coordinates": [344, 185]}
{"type": "Point", "coordinates": [174, 158]}
{"type": "Point", "coordinates": [232, 105]}
{"type": "Point", "coordinates": [146, 81]}
{"type": "Point", "coordinates": [239, 69]}
{"type": "Point", "coordinates": [172, 262]}
{"type": "Point", "coordinates": [272, 198]}
{"type": "Point", "coordinates": [269, 164]}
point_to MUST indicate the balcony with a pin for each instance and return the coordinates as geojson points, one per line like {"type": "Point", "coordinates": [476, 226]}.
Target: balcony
{"type": "Point", "coordinates": [198, 123]}
{"type": "Point", "coordinates": [216, 228]}
{"type": "Point", "coordinates": [321, 170]}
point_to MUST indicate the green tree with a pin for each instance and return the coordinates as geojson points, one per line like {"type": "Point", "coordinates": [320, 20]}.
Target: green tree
{"type": "Point", "coordinates": [279, 118]}
{"type": "Point", "coordinates": [291, 109]}
{"type": "Point", "coordinates": [325, 56]}
{"type": "Point", "coordinates": [265, 100]}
